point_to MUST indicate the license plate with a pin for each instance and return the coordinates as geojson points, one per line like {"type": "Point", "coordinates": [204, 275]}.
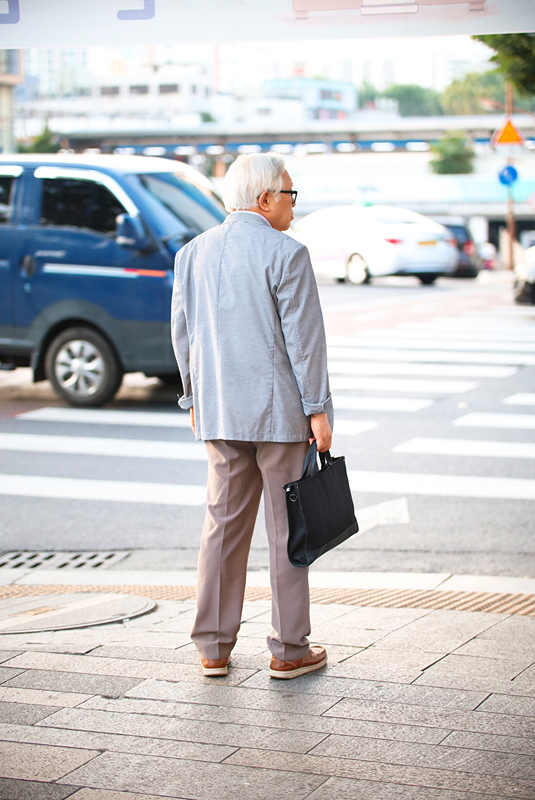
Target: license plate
{"type": "Point", "coordinates": [430, 243]}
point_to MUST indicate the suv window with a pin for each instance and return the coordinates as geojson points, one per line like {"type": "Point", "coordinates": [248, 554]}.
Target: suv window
{"type": "Point", "coordinates": [79, 204]}
{"type": "Point", "coordinates": [6, 189]}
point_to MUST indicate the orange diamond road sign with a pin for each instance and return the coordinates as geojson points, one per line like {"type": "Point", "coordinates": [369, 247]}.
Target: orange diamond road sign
{"type": "Point", "coordinates": [507, 134]}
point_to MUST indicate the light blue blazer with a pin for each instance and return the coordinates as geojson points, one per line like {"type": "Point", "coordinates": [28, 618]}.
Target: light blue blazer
{"type": "Point", "coordinates": [248, 333]}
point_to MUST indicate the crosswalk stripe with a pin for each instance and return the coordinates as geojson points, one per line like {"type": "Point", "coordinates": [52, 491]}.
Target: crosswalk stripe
{"type": "Point", "coordinates": [84, 445]}
{"type": "Point", "coordinates": [467, 447]}
{"type": "Point", "coordinates": [152, 419]}
{"type": "Point", "coordinates": [405, 404]}
{"type": "Point", "coordinates": [410, 368]}
{"type": "Point", "coordinates": [442, 485]}
{"type": "Point", "coordinates": [429, 344]}
{"type": "Point", "coordinates": [480, 419]}
{"type": "Point", "coordinates": [114, 491]}
{"type": "Point", "coordinates": [402, 385]}
{"type": "Point", "coordinates": [450, 334]}
{"type": "Point", "coordinates": [520, 399]}
{"type": "Point", "coordinates": [350, 427]}
{"type": "Point", "coordinates": [440, 356]}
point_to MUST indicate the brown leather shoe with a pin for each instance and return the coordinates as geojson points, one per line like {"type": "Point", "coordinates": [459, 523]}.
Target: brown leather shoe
{"type": "Point", "coordinates": [316, 658]}
{"type": "Point", "coordinates": [215, 666]}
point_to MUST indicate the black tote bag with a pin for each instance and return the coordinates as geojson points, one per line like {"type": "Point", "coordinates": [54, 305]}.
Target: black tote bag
{"type": "Point", "coordinates": [320, 508]}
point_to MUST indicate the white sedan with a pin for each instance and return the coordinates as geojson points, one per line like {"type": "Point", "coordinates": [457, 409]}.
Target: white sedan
{"type": "Point", "coordinates": [358, 243]}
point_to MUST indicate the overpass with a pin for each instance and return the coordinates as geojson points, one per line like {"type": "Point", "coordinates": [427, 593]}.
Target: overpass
{"type": "Point", "coordinates": [368, 131]}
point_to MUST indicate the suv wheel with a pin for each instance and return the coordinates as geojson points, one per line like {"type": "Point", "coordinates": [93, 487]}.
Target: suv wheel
{"type": "Point", "coordinates": [82, 367]}
{"type": "Point", "coordinates": [427, 280]}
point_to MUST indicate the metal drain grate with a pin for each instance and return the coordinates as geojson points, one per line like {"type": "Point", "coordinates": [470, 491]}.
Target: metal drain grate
{"type": "Point", "coordinates": [64, 560]}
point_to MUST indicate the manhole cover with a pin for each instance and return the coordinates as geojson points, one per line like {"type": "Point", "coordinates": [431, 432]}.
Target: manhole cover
{"type": "Point", "coordinates": [63, 611]}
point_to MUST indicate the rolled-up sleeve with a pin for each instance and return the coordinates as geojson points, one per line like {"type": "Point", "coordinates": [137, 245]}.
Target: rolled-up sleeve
{"type": "Point", "coordinates": [180, 339]}
{"type": "Point", "coordinates": [304, 333]}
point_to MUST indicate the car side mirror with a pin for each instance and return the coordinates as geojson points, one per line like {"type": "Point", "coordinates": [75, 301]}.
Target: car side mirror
{"type": "Point", "coordinates": [131, 233]}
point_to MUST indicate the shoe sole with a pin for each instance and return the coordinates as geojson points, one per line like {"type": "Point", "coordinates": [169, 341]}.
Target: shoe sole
{"type": "Point", "coordinates": [211, 673]}
{"type": "Point", "coordinates": [294, 673]}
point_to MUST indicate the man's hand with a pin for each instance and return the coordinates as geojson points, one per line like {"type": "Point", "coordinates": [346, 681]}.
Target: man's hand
{"type": "Point", "coordinates": [192, 418]}
{"type": "Point", "coordinates": [321, 432]}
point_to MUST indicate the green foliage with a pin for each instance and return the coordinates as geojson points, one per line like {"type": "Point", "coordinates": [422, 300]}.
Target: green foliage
{"type": "Point", "coordinates": [207, 117]}
{"type": "Point", "coordinates": [44, 143]}
{"type": "Point", "coordinates": [414, 100]}
{"type": "Point", "coordinates": [481, 93]}
{"type": "Point", "coordinates": [367, 94]}
{"type": "Point", "coordinates": [453, 156]}
{"type": "Point", "coordinates": [515, 56]}
{"type": "Point", "coordinates": [467, 96]}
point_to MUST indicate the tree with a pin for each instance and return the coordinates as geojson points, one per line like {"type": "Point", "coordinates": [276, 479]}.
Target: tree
{"type": "Point", "coordinates": [414, 100]}
{"type": "Point", "coordinates": [476, 93]}
{"type": "Point", "coordinates": [44, 143]}
{"type": "Point", "coordinates": [515, 56]}
{"type": "Point", "coordinates": [454, 156]}
{"type": "Point", "coordinates": [367, 94]}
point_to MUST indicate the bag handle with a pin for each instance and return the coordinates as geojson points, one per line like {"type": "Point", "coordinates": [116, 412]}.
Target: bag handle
{"type": "Point", "coordinates": [311, 460]}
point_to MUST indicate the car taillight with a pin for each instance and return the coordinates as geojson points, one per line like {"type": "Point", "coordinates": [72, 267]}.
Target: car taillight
{"type": "Point", "coordinates": [469, 248]}
{"type": "Point", "coordinates": [394, 241]}
{"type": "Point", "coordinates": [453, 242]}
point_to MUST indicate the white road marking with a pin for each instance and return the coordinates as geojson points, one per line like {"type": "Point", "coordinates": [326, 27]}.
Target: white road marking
{"type": "Point", "coordinates": [448, 334]}
{"type": "Point", "coordinates": [426, 343]}
{"type": "Point", "coordinates": [467, 447]}
{"type": "Point", "coordinates": [402, 385]}
{"type": "Point", "coordinates": [83, 445]}
{"type": "Point", "coordinates": [520, 399]}
{"type": "Point", "coordinates": [429, 356]}
{"type": "Point", "coordinates": [351, 427]}
{"type": "Point", "coordinates": [97, 416]}
{"type": "Point", "coordinates": [114, 491]}
{"type": "Point", "coordinates": [380, 403]}
{"type": "Point", "coordinates": [442, 485]}
{"type": "Point", "coordinates": [480, 419]}
{"type": "Point", "coordinates": [408, 368]}
{"type": "Point", "coordinates": [391, 512]}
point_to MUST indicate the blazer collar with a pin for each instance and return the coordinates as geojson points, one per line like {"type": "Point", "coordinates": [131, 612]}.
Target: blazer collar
{"type": "Point", "coordinates": [246, 216]}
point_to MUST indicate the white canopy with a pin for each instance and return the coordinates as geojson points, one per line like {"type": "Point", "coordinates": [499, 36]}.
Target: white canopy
{"type": "Point", "coordinates": [63, 23]}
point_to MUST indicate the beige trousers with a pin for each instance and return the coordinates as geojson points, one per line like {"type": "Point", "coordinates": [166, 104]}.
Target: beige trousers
{"type": "Point", "coordinates": [237, 473]}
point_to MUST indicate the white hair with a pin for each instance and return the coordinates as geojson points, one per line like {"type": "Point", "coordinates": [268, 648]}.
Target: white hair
{"type": "Point", "coordinates": [249, 176]}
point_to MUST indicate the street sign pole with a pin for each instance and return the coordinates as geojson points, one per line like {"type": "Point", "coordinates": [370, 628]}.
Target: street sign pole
{"type": "Point", "coordinates": [511, 226]}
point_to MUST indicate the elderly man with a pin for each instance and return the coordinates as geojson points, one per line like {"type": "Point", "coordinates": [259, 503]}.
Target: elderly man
{"type": "Point", "coordinates": [250, 345]}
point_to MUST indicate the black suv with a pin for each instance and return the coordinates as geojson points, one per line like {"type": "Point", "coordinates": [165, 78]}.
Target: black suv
{"type": "Point", "coordinates": [469, 258]}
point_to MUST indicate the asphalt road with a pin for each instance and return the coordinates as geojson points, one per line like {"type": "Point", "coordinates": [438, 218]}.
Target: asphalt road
{"type": "Point", "coordinates": [436, 488]}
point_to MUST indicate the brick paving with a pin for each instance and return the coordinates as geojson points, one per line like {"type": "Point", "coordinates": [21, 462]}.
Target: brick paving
{"type": "Point", "coordinates": [415, 703]}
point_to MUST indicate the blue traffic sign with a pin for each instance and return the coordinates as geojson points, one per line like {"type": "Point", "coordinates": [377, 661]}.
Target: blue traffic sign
{"type": "Point", "coordinates": [508, 175]}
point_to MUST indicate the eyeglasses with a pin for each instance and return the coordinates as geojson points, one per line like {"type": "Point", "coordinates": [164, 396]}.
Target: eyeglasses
{"type": "Point", "coordinates": [293, 192]}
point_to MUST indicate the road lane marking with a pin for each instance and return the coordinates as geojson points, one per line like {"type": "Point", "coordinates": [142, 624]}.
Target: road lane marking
{"type": "Point", "coordinates": [467, 447]}
{"type": "Point", "coordinates": [449, 334]}
{"type": "Point", "coordinates": [442, 485]}
{"type": "Point", "coordinates": [351, 427]}
{"type": "Point", "coordinates": [390, 512]}
{"type": "Point", "coordinates": [520, 399]}
{"type": "Point", "coordinates": [405, 404]}
{"type": "Point", "coordinates": [410, 368]}
{"type": "Point", "coordinates": [152, 419]}
{"type": "Point", "coordinates": [84, 445]}
{"type": "Point", "coordinates": [114, 491]}
{"type": "Point", "coordinates": [426, 343]}
{"type": "Point", "coordinates": [402, 385]}
{"type": "Point", "coordinates": [480, 419]}
{"type": "Point", "coordinates": [429, 356]}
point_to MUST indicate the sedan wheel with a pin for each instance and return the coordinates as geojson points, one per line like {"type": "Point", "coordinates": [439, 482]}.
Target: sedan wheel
{"type": "Point", "coordinates": [357, 271]}
{"type": "Point", "coordinates": [82, 367]}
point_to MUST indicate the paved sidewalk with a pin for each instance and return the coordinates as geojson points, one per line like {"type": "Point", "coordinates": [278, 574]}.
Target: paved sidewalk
{"type": "Point", "coordinates": [416, 702]}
